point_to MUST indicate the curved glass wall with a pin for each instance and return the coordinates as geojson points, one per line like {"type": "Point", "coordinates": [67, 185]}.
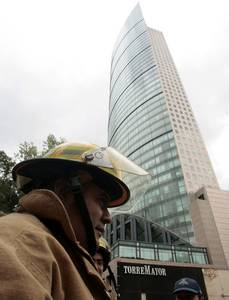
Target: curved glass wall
{"type": "Point", "coordinates": [140, 128]}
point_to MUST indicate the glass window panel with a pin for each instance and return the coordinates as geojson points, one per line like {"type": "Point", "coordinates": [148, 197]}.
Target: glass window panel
{"type": "Point", "coordinates": [118, 234]}
{"type": "Point", "coordinates": [128, 231]}
{"type": "Point", "coordinates": [165, 255]}
{"type": "Point", "coordinates": [182, 256]}
{"type": "Point", "coordinates": [115, 252]}
{"type": "Point", "coordinates": [147, 253]}
{"type": "Point", "coordinates": [140, 231]}
{"type": "Point", "coordinates": [198, 258]}
{"type": "Point", "coordinates": [126, 251]}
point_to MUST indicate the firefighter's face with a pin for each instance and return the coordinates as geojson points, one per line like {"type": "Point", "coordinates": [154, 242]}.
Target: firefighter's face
{"type": "Point", "coordinates": [97, 200]}
{"type": "Point", "coordinates": [98, 258]}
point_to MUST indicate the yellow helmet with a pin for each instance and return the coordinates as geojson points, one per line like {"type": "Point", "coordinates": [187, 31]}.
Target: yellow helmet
{"type": "Point", "coordinates": [105, 166]}
{"type": "Point", "coordinates": [104, 244]}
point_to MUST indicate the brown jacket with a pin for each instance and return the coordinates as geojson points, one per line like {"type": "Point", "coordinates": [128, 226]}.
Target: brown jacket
{"type": "Point", "coordinates": [41, 263]}
{"type": "Point", "coordinates": [110, 288]}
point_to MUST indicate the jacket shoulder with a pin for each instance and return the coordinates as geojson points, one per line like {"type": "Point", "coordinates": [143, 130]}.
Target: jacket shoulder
{"type": "Point", "coordinates": [14, 224]}
{"type": "Point", "coordinates": [27, 245]}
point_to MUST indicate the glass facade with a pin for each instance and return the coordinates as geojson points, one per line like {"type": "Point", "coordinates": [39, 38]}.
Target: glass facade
{"type": "Point", "coordinates": [141, 126]}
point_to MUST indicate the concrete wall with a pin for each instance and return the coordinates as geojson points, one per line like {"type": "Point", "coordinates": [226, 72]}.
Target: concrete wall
{"type": "Point", "coordinates": [205, 228]}
{"type": "Point", "coordinates": [219, 201]}
{"type": "Point", "coordinates": [211, 224]}
{"type": "Point", "coordinates": [217, 283]}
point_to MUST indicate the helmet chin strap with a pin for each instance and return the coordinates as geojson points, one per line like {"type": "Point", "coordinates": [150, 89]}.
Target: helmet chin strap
{"type": "Point", "coordinates": [86, 219]}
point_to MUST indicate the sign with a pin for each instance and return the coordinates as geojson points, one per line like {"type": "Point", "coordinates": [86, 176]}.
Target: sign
{"type": "Point", "coordinates": [144, 270]}
{"type": "Point", "coordinates": [153, 281]}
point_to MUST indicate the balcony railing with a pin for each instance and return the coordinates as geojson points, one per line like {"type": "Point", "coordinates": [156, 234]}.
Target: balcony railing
{"type": "Point", "coordinates": [157, 252]}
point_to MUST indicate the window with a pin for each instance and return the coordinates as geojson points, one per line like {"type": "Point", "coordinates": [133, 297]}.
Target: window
{"type": "Point", "coordinates": [147, 253]}
{"type": "Point", "coordinates": [165, 255]}
{"type": "Point", "coordinates": [140, 231]}
{"type": "Point", "coordinates": [198, 258]}
{"type": "Point", "coordinates": [182, 256]}
{"type": "Point", "coordinates": [118, 234]}
{"type": "Point", "coordinates": [128, 231]}
{"type": "Point", "coordinates": [126, 251]}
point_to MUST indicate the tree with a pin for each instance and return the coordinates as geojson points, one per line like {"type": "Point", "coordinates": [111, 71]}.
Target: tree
{"type": "Point", "coordinates": [51, 142]}
{"type": "Point", "coordinates": [8, 193]}
{"type": "Point", "coordinates": [6, 164]}
{"type": "Point", "coordinates": [27, 150]}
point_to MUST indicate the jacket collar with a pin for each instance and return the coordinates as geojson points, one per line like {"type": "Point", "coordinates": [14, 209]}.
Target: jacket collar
{"type": "Point", "coordinates": [46, 204]}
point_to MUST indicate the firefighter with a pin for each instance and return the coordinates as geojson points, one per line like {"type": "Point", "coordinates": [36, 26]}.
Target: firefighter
{"type": "Point", "coordinates": [47, 244]}
{"type": "Point", "coordinates": [102, 259]}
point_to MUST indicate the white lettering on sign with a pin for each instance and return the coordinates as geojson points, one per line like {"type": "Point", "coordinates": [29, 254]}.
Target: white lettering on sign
{"type": "Point", "coordinates": [144, 270]}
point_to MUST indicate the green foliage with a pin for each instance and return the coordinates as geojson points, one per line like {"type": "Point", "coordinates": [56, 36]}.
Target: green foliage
{"type": "Point", "coordinates": [6, 164]}
{"type": "Point", "coordinates": [27, 150]}
{"type": "Point", "coordinates": [51, 142]}
{"type": "Point", "coordinates": [8, 193]}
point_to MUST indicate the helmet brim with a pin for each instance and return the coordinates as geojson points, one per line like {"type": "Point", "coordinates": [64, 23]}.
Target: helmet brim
{"type": "Point", "coordinates": [53, 168]}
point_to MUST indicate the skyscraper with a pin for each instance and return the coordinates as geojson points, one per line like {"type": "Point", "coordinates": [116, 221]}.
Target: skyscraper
{"type": "Point", "coordinates": [152, 123]}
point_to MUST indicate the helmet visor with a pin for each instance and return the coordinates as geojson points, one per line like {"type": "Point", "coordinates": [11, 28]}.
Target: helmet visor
{"type": "Point", "coordinates": [109, 158]}
{"type": "Point", "coordinates": [137, 179]}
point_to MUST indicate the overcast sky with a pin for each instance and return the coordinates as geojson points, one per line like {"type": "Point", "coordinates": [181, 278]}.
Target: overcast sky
{"type": "Point", "coordinates": [55, 61]}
